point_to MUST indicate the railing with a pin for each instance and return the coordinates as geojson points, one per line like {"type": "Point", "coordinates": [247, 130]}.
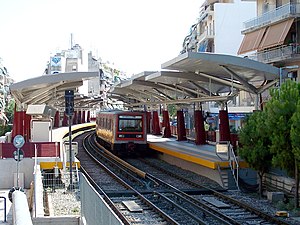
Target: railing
{"type": "Point", "coordinates": [279, 183]}
{"type": "Point", "coordinates": [277, 14]}
{"type": "Point", "coordinates": [4, 207]}
{"type": "Point", "coordinates": [234, 165]}
{"type": "Point", "coordinates": [275, 54]}
{"type": "Point", "coordinates": [44, 149]}
{"type": "Point", "coordinates": [223, 148]}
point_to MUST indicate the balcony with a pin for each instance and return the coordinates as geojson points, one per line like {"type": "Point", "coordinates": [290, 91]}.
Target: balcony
{"type": "Point", "coordinates": [280, 53]}
{"type": "Point", "coordinates": [280, 13]}
{"type": "Point", "coordinates": [207, 34]}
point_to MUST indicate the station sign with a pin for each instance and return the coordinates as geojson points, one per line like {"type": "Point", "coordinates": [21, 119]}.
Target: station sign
{"type": "Point", "coordinates": [18, 141]}
{"type": "Point", "coordinates": [20, 156]}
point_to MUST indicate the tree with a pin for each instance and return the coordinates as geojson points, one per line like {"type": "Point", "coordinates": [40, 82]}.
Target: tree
{"type": "Point", "coordinates": [255, 141]}
{"type": "Point", "coordinates": [295, 141]}
{"type": "Point", "coordinates": [280, 110]}
{"type": "Point", "coordinates": [9, 110]}
{"type": "Point", "coordinates": [172, 110]}
{"type": "Point", "coordinates": [9, 113]}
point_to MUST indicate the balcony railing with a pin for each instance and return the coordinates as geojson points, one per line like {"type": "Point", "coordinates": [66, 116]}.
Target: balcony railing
{"type": "Point", "coordinates": [285, 11]}
{"type": "Point", "coordinates": [276, 54]}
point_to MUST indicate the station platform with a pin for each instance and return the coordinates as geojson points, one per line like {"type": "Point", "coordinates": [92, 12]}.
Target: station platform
{"type": "Point", "coordinates": [204, 155]}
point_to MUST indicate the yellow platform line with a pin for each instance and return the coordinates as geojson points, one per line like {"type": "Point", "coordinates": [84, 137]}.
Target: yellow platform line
{"type": "Point", "coordinates": [203, 162]}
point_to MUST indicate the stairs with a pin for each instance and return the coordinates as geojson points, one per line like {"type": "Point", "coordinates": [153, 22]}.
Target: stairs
{"type": "Point", "coordinates": [224, 176]}
{"type": "Point", "coordinates": [227, 179]}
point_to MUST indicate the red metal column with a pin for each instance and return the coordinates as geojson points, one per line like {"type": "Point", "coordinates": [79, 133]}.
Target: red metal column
{"type": "Point", "coordinates": [83, 117]}
{"type": "Point", "coordinates": [148, 120]}
{"type": "Point", "coordinates": [155, 123]}
{"type": "Point", "coordinates": [166, 124]}
{"type": "Point", "coordinates": [21, 125]}
{"type": "Point", "coordinates": [26, 126]}
{"type": "Point", "coordinates": [88, 119]}
{"type": "Point", "coordinates": [224, 126]}
{"type": "Point", "coordinates": [65, 120]}
{"type": "Point", "coordinates": [56, 119]}
{"type": "Point", "coordinates": [181, 132]}
{"type": "Point", "coordinates": [79, 117]}
{"type": "Point", "coordinates": [16, 124]}
{"type": "Point", "coordinates": [200, 137]}
{"type": "Point", "coordinates": [75, 118]}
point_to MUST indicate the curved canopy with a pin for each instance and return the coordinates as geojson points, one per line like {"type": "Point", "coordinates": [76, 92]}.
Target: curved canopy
{"type": "Point", "coordinates": [188, 78]}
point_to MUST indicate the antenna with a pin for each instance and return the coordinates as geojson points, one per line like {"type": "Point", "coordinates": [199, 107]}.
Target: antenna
{"type": "Point", "coordinates": [71, 40]}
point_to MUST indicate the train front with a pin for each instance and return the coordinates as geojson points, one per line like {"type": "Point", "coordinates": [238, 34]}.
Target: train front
{"type": "Point", "coordinates": [131, 132]}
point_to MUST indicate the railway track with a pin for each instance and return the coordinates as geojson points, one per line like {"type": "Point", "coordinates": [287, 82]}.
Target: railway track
{"type": "Point", "coordinates": [239, 211]}
{"type": "Point", "coordinates": [108, 184]}
{"type": "Point", "coordinates": [155, 199]}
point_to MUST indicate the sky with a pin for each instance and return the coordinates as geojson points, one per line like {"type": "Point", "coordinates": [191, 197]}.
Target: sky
{"type": "Point", "coordinates": [135, 35]}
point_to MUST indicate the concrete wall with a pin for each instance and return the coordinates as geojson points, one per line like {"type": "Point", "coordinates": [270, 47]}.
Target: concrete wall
{"type": "Point", "coordinates": [94, 210]}
{"type": "Point", "coordinates": [201, 170]}
{"type": "Point", "coordinates": [57, 220]}
{"type": "Point", "coordinates": [9, 166]}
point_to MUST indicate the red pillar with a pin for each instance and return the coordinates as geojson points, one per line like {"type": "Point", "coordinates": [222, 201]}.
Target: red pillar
{"type": "Point", "coordinates": [26, 126]}
{"type": "Point", "coordinates": [21, 125]}
{"type": "Point", "coordinates": [166, 124]}
{"type": "Point", "coordinates": [88, 118]}
{"type": "Point", "coordinates": [79, 117]}
{"type": "Point", "coordinates": [56, 119]}
{"type": "Point", "coordinates": [75, 118]}
{"type": "Point", "coordinates": [65, 120]}
{"type": "Point", "coordinates": [155, 123]}
{"type": "Point", "coordinates": [148, 120]}
{"type": "Point", "coordinates": [224, 126]}
{"type": "Point", "coordinates": [83, 117]}
{"type": "Point", "coordinates": [181, 132]}
{"type": "Point", "coordinates": [200, 137]}
{"type": "Point", "coordinates": [16, 124]}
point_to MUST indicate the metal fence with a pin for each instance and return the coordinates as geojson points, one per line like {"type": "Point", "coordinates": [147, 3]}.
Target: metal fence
{"type": "Point", "coordinates": [276, 54]}
{"type": "Point", "coordinates": [60, 179]}
{"type": "Point", "coordinates": [279, 183]}
{"type": "Point", "coordinates": [277, 14]}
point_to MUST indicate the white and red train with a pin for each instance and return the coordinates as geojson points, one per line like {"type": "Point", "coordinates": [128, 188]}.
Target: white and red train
{"type": "Point", "coordinates": [122, 132]}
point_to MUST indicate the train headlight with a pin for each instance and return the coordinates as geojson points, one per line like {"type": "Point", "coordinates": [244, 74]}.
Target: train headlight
{"type": "Point", "coordinates": [139, 136]}
{"type": "Point", "coordinates": [121, 135]}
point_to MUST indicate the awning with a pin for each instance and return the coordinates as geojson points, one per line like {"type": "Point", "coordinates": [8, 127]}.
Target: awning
{"type": "Point", "coordinates": [251, 41]}
{"type": "Point", "coordinates": [276, 34]}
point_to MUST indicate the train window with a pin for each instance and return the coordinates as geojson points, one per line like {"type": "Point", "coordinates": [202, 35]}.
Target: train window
{"type": "Point", "coordinates": [130, 123]}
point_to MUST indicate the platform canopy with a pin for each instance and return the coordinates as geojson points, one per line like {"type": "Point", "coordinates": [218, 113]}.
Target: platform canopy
{"type": "Point", "coordinates": [50, 90]}
{"type": "Point", "coordinates": [189, 78]}
{"type": "Point", "coordinates": [196, 77]}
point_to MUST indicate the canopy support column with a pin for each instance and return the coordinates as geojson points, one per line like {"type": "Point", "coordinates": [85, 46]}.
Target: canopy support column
{"type": "Point", "coordinates": [166, 124]}
{"type": "Point", "coordinates": [181, 132]}
{"type": "Point", "coordinates": [200, 136]}
{"type": "Point", "coordinates": [155, 124]}
{"type": "Point", "coordinates": [224, 125]}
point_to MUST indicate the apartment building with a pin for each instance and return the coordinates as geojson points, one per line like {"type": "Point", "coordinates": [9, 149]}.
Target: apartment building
{"type": "Point", "coordinates": [218, 30]}
{"type": "Point", "coordinates": [218, 27]}
{"type": "Point", "coordinates": [5, 81]}
{"type": "Point", "coordinates": [273, 35]}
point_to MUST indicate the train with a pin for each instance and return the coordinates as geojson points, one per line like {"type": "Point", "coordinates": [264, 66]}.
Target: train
{"type": "Point", "coordinates": [124, 133]}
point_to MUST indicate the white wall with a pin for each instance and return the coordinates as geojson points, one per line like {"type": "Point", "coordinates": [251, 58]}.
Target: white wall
{"type": "Point", "coordinates": [9, 166]}
{"type": "Point", "coordinates": [229, 20]}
